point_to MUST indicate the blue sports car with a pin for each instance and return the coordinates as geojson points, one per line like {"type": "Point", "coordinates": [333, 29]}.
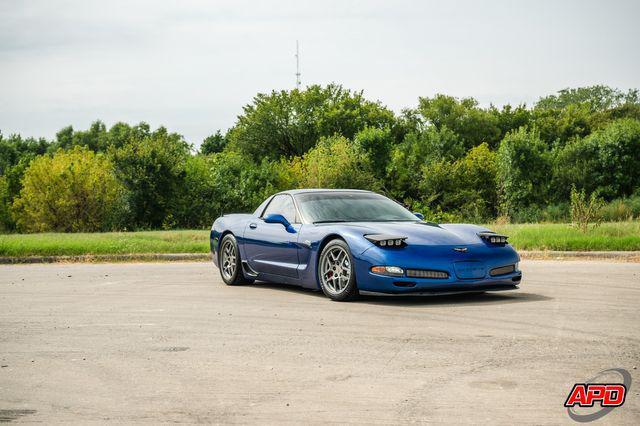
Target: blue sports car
{"type": "Point", "coordinates": [346, 241]}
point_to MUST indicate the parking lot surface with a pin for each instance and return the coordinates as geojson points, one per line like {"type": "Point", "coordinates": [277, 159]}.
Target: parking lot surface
{"type": "Point", "coordinates": [169, 342]}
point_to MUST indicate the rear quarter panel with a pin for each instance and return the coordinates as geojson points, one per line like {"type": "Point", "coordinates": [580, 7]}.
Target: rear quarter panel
{"type": "Point", "coordinates": [233, 223]}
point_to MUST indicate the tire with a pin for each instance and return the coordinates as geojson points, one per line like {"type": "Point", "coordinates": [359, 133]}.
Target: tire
{"type": "Point", "coordinates": [230, 263]}
{"type": "Point", "coordinates": [336, 273]}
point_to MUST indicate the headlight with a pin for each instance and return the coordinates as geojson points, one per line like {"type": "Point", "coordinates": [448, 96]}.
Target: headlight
{"type": "Point", "coordinates": [386, 240]}
{"type": "Point", "coordinates": [493, 238]}
{"type": "Point", "coordinates": [392, 271]}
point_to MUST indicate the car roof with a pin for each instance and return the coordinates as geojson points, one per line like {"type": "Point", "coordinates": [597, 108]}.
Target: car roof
{"type": "Point", "coordinates": [302, 191]}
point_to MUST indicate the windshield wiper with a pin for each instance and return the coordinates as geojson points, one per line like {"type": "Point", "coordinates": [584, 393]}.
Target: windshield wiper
{"type": "Point", "coordinates": [330, 221]}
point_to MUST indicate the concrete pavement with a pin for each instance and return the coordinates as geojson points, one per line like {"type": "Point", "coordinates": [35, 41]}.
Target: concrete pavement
{"type": "Point", "coordinates": [168, 342]}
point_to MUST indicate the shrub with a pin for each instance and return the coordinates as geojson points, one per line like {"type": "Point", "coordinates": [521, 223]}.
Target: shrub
{"type": "Point", "coordinates": [556, 213]}
{"type": "Point", "coordinates": [585, 210]}
{"type": "Point", "coordinates": [621, 209]}
{"type": "Point", "coordinates": [616, 211]}
{"type": "Point", "coordinates": [74, 191]}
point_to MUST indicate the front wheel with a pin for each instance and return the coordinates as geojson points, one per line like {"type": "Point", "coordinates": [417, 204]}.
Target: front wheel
{"type": "Point", "coordinates": [336, 272]}
{"type": "Point", "coordinates": [229, 261]}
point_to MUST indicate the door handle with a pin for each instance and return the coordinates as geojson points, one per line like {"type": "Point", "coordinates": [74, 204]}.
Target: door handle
{"type": "Point", "coordinates": [253, 225]}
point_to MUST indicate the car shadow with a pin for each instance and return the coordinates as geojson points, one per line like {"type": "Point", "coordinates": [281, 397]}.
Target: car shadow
{"type": "Point", "coordinates": [489, 298]}
{"type": "Point", "coordinates": [291, 288]}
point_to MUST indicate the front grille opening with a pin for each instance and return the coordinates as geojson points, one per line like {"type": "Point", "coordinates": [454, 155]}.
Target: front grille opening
{"type": "Point", "coordinates": [516, 279]}
{"type": "Point", "coordinates": [404, 284]}
{"type": "Point", "coordinates": [502, 270]}
{"type": "Point", "coordinates": [427, 273]}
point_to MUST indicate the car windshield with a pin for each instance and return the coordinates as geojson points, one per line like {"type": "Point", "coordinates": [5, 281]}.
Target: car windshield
{"type": "Point", "coordinates": [318, 207]}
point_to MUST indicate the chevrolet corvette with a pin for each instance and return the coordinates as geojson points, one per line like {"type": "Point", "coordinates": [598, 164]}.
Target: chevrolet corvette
{"type": "Point", "coordinates": [343, 242]}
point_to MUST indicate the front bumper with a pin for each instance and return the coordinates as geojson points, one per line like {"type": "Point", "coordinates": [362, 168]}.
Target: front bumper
{"type": "Point", "coordinates": [399, 285]}
{"type": "Point", "coordinates": [457, 281]}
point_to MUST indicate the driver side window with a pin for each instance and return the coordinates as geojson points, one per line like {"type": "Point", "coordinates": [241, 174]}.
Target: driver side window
{"type": "Point", "coordinates": [282, 204]}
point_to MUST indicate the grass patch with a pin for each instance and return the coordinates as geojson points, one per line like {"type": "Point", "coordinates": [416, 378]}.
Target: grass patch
{"type": "Point", "coordinates": [59, 244]}
{"type": "Point", "coordinates": [611, 236]}
{"type": "Point", "coordinates": [624, 236]}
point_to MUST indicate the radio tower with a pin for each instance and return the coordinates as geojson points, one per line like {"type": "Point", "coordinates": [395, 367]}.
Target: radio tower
{"type": "Point", "coordinates": [297, 67]}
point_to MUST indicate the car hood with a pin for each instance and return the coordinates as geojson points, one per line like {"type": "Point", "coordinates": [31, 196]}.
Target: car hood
{"type": "Point", "coordinates": [422, 233]}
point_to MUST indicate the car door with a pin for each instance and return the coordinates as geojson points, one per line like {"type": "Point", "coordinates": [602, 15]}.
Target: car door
{"type": "Point", "coordinates": [269, 247]}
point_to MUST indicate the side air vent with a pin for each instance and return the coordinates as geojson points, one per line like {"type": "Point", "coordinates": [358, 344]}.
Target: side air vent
{"type": "Point", "coordinates": [248, 270]}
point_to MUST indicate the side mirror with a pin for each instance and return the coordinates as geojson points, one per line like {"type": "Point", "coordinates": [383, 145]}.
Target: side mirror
{"type": "Point", "coordinates": [419, 215]}
{"type": "Point", "coordinates": [278, 218]}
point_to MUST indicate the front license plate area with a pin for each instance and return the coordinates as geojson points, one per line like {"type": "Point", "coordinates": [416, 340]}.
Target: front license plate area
{"type": "Point", "coordinates": [470, 270]}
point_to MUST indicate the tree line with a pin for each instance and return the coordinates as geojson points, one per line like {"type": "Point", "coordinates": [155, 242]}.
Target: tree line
{"type": "Point", "coordinates": [449, 158]}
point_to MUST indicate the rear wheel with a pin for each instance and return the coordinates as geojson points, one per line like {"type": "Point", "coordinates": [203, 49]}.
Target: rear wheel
{"type": "Point", "coordinates": [230, 262]}
{"type": "Point", "coordinates": [336, 271]}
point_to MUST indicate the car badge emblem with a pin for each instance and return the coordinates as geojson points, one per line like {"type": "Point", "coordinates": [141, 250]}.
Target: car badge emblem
{"type": "Point", "coordinates": [460, 249]}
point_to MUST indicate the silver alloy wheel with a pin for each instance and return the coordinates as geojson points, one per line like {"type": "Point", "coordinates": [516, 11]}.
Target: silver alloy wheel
{"type": "Point", "coordinates": [228, 259]}
{"type": "Point", "coordinates": [335, 270]}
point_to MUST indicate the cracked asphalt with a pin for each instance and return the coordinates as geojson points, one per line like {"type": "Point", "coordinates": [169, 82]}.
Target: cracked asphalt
{"type": "Point", "coordinates": [169, 342]}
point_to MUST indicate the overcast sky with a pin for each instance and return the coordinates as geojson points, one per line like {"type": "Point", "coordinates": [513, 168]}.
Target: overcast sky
{"type": "Point", "coordinates": [192, 65]}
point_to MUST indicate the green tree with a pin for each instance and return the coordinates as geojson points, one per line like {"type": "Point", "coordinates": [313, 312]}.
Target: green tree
{"type": "Point", "coordinates": [152, 168]}
{"type": "Point", "coordinates": [574, 165]}
{"type": "Point", "coordinates": [15, 155]}
{"type": "Point", "coordinates": [464, 117]}
{"type": "Point", "coordinates": [335, 162]}
{"type": "Point", "coordinates": [64, 139]}
{"type": "Point", "coordinates": [559, 126]}
{"type": "Point", "coordinates": [597, 98]}
{"type": "Point", "coordinates": [121, 133]}
{"type": "Point", "coordinates": [418, 149]}
{"type": "Point", "coordinates": [465, 188]}
{"type": "Point", "coordinates": [213, 143]}
{"type": "Point", "coordinates": [509, 118]}
{"type": "Point", "coordinates": [74, 191]}
{"type": "Point", "coordinates": [242, 185]}
{"type": "Point", "coordinates": [6, 221]}
{"type": "Point", "coordinates": [196, 206]}
{"type": "Point", "coordinates": [289, 123]}
{"type": "Point", "coordinates": [14, 149]}
{"type": "Point", "coordinates": [98, 138]}
{"type": "Point", "coordinates": [377, 144]}
{"type": "Point", "coordinates": [220, 183]}
{"type": "Point", "coordinates": [617, 165]}
{"type": "Point", "coordinates": [95, 138]}
{"type": "Point", "coordinates": [479, 175]}
{"type": "Point", "coordinates": [606, 162]}
{"type": "Point", "coordinates": [524, 167]}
